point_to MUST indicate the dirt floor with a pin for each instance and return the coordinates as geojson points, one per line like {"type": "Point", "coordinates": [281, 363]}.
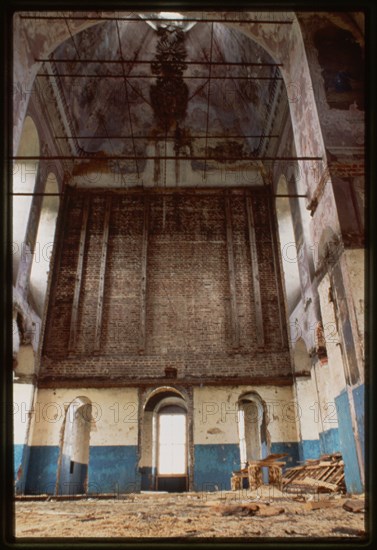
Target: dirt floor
{"type": "Point", "coordinates": [263, 513]}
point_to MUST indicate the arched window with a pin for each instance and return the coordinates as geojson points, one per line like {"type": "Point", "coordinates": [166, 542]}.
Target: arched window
{"type": "Point", "coordinates": [74, 458]}
{"type": "Point", "coordinates": [44, 244]}
{"type": "Point", "coordinates": [24, 178]}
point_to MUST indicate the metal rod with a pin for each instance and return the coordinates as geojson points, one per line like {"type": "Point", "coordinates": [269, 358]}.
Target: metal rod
{"type": "Point", "coordinates": [187, 77]}
{"type": "Point", "coordinates": [71, 35]}
{"type": "Point", "coordinates": [172, 157]}
{"type": "Point", "coordinates": [169, 137]}
{"type": "Point", "coordinates": [158, 19]}
{"type": "Point", "coordinates": [167, 62]}
{"type": "Point", "coordinates": [291, 196]}
{"type": "Point", "coordinates": [36, 194]}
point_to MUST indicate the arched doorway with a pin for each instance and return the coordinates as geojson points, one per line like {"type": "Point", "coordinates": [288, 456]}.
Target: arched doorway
{"type": "Point", "coordinates": [252, 428]}
{"type": "Point", "coordinates": [164, 442]}
{"type": "Point", "coordinates": [74, 456]}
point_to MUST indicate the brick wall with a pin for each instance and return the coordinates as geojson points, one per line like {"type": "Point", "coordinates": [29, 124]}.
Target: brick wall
{"type": "Point", "coordinates": [188, 305]}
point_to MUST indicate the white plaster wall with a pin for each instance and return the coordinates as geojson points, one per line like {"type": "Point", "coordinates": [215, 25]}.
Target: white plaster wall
{"type": "Point", "coordinates": [22, 403]}
{"type": "Point", "coordinates": [25, 359]}
{"type": "Point", "coordinates": [147, 439]}
{"type": "Point", "coordinates": [216, 417]}
{"type": "Point", "coordinates": [307, 397]}
{"type": "Point", "coordinates": [355, 261]}
{"type": "Point", "coordinates": [23, 181]}
{"type": "Point", "coordinates": [333, 379]}
{"type": "Point", "coordinates": [114, 415]}
{"type": "Point", "coordinates": [44, 245]}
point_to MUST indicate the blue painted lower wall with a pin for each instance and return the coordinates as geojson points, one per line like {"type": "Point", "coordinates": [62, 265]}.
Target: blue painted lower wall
{"type": "Point", "coordinates": [358, 397]}
{"type": "Point", "coordinates": [347, 444]}
{"type": "Point", "coordinates": [42, 470]}
{"type": "Point", "coordinates": [113, 469]}
{"type": "Point", "coordinates": [213, 466]}
{"type": "Point", "coordinates": [18, 450]}
{"type": "Point", "coordinates": [291, 449]}
{"type": "Point", "coordinates": [309, 448]}
{"type": "Point", "coordinates": [72, 477]}
{"type": "Point", "coordinates": [329, 441]}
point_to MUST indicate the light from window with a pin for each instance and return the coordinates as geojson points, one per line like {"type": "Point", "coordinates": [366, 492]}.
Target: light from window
{"type": "Point", "coordinates": [172, 444]}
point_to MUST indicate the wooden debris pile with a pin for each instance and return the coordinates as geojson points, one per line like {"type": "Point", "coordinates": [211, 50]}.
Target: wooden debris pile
{"type": "Point", "coordinates": [253, 472]}
{"type": "Point", "coordinates": [324, 475]}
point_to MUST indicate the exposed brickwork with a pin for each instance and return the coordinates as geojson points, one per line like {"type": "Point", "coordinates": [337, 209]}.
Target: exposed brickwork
{"type": "Point", "coordinates": [188, 324]}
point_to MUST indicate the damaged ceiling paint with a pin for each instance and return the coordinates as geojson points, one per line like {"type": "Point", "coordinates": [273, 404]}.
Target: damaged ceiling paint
{"type": "Point", "coordinates": [201, 95]}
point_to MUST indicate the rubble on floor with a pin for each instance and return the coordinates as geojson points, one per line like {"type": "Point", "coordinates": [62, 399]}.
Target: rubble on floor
{"type": "Point", "coordinates": [266, 512]}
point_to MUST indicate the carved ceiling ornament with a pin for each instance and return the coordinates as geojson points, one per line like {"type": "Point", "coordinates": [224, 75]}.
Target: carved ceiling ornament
{"type": "Point", "coordinates": [169, 95]}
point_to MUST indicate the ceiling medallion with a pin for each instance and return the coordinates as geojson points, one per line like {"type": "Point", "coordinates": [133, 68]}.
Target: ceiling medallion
{"type": "Point", "coordinates": [169, 95]}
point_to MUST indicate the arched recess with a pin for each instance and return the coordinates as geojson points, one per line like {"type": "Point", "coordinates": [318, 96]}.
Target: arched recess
{"type": "Point", "coordinates": [288, 246]}
{"type": "Point", "coordinates": [165, 442]}
{"type": "Point", "coordinates": [252, 428]}
{"type": "Point", "coordinates": [44, 244]}
{"type": "Point", "coordinates": [74, 452]}
{"type": "Point", "coordinates": [301, 359]}
{"type": "Point", "coordinates": [23, 181]}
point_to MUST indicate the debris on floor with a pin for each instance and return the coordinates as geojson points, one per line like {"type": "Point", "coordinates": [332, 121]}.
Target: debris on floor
{"type": "Point", "coordinates": [356, 506]}
{"type": "Point", "coordinates": [325, 474]}
{"type": "Point", "coordinates": [263, 512]}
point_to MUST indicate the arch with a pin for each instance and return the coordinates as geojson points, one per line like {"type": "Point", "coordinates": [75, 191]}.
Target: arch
{"type": "Point", "coordinates": [44, 244]}
{"type": "Point", "coordinates": [74, 452]}
{"type": "Point", "coordinates": [164, 441]}
{"type": "Point", "coordinates": [252, 427]}
{"type": "Point", "coordinates": [301, 358]}
{"type": "Point", "coordinates": [280, 45]}
{"type": "Point", "coordinates": [23, 181]}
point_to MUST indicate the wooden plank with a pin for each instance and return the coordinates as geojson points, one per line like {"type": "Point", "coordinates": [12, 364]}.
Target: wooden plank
{"type": "Point", "coordinates": [255, 271]}
{"type": "Point", "coordinates": [143, 286]}
{"type": "Point", "coordinates": [78, 280]}
{"type": "Point", "coordinates": [231, 272]}
{"type": "Point", "coordinates": [101, 288]}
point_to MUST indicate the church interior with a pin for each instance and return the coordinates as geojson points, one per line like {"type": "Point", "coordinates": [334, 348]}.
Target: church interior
{"type": "Point", "coordinates": [188, 247]}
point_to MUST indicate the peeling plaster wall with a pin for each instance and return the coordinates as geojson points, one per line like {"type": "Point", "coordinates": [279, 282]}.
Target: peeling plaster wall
{"type": "Point", "coordinates": [308, 420]}
{"type": "Point", "coordinates": [216, 435]}
{"type": "Point", "coordinates": [113, 439]}
{"type": "Point", "coordinates": [22, 403]}
{"type": "Point", "coordinates": [353, 270]}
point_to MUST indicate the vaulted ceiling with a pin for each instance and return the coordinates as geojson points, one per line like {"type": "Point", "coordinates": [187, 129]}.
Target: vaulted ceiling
{"type": "Point", "coordinates": [143, 88]}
